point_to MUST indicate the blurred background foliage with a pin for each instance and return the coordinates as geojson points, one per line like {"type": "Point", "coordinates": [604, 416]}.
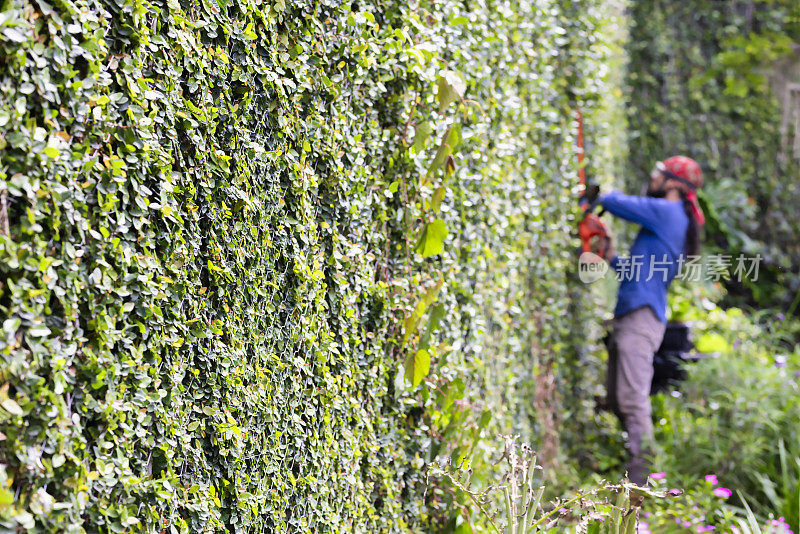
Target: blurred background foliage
{"type": "Point", "coordinates": [719, 82]}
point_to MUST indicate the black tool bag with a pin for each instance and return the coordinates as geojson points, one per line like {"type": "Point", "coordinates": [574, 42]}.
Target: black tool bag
{"type": "Point", "coordinates": [668, 360]}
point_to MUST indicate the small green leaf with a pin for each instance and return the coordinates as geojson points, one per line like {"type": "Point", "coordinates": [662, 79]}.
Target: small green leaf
{"type": "Point", "coordinates": [249, 33]}
{"type": "Point", "coordinates": [450, 165]}
{"type": "Point", "coordinates": [38, 330]}
{"type": "Point", "coordinates": [450, 142]}
{"type": "Point", "coordinates": [14, 35]}
{"type": "Point", "coordinates": [438, 196]}
{"type": "Point", "coordinates": [421, 134]}
{"type": "Point", "coordinates": [10, 325]}
{"type": "Point", "coordinates": [450, 87]}
{"type": "Point", "coordinates": [453, 137]}
{"type": "Point", "coordinates": [11, 406]}
{"type": "Point", "coordinates": [435, 317]}
{"type": "Point", "coordinates": [431, 241]}
{"type": "Point", "coordinates": [439, 158]}
{"type": "Point", "coordinates": [444, 94]}
{"type": "Point", "coordinates": [417, 366]}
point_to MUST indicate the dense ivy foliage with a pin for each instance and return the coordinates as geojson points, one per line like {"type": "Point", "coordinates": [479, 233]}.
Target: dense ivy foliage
{"type": "Point", "coordinates": [701, 82]}
{"type": "Point", "coordinates": [261, 262]}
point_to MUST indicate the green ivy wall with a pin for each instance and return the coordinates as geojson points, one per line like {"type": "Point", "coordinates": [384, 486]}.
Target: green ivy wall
{"type": "Point", "coordinates": [262, 262]}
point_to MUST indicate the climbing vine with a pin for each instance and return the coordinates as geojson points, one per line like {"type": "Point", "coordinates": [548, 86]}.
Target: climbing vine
{"type": "Point", "coordinates": [261, 262]}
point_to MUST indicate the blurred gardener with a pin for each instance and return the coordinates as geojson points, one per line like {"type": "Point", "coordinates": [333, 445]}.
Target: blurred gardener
{"type": "Point", "coordinates": [670, 218]}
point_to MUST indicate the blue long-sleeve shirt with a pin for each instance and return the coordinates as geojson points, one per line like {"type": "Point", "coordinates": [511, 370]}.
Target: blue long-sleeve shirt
{"type": "Point", "coordinates": [645, 275]}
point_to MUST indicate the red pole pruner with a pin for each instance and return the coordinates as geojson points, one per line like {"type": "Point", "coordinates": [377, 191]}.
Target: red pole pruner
{"type": "Point", "coordinates": [591, 230]}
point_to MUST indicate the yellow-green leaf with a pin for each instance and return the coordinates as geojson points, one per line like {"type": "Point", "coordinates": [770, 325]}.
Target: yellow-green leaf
{"type": "Point", "coordinates": [417, 366]}
{"type": "Point", "coordinates": [431, 241]}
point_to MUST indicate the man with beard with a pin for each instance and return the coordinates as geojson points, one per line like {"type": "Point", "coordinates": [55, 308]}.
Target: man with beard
{"type": "Point", "coordinates": [670, 218]}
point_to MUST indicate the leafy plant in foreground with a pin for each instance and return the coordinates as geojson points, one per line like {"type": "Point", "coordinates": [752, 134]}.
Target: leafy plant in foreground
{"type": "Point", "coordinates": [603, 509]}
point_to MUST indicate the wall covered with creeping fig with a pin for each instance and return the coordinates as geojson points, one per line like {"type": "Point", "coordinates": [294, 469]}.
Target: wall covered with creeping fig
{"type": "Point", "coordinates": [704, 80]}
{"type": "Point", "coordinates": [264, 261]}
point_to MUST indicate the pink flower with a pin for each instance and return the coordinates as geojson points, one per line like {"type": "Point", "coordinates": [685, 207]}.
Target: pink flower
{"type": "Point", "coordinates": [658, 476]}
{"type": "Point", "coordinates": [722, 493]}
{"type": "Point", "coordinates": [712, 479]}
{"type": "Point", "coordinates": [675, 492]}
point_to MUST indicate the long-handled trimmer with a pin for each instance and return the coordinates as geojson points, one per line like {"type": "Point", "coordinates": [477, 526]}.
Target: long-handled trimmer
{"type": "Point", "coordinates": [592, 230]}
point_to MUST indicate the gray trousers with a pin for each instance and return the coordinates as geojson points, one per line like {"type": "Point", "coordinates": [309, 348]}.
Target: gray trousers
{"type": "Point", "coordinates": [635, 338]}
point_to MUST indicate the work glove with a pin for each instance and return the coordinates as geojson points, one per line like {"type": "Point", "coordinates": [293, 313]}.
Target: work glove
{"type": "Point", "coordinates": [590, 198]}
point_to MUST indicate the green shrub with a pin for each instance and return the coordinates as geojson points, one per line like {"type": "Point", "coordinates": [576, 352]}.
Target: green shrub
{"type": "Point", "coordinates": [735, 418]}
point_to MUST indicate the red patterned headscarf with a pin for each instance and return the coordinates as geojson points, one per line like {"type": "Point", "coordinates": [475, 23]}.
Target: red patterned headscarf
{"type": "Point", "coordinates": [687, 172]}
